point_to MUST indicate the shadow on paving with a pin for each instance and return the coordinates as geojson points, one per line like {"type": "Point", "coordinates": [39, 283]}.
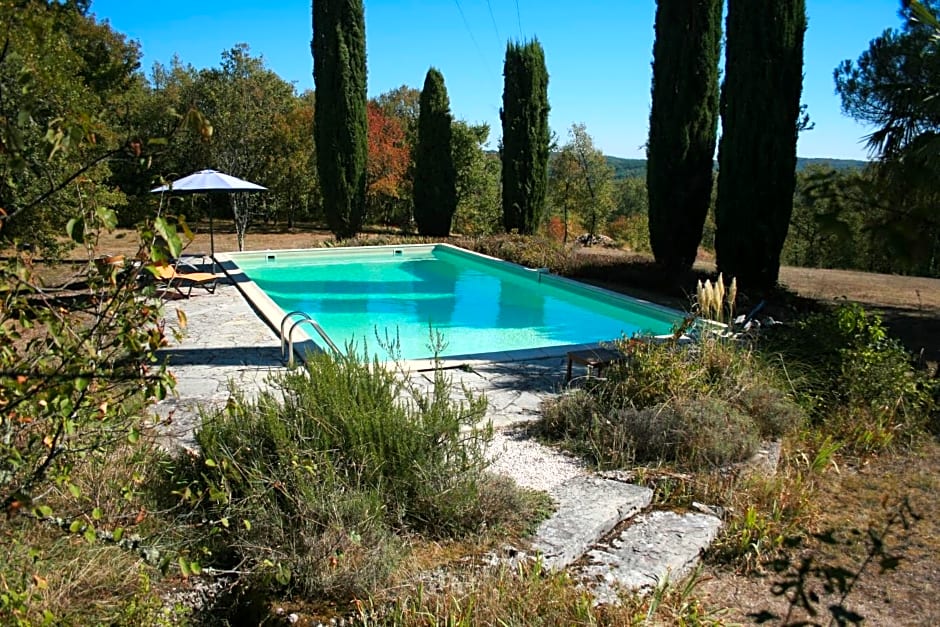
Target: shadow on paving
{"type": "Point", "coordinates": [545, 375]}
{"type": "Point", "coordinates": [229, 356]}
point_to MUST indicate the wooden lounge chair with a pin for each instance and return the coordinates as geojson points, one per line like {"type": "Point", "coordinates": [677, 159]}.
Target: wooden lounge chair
{"type": "Point", "coordinates": [169, 278]}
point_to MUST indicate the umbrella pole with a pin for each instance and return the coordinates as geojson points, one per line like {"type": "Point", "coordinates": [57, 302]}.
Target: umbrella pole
{"type": "Point", "coordinates": [211, 239]}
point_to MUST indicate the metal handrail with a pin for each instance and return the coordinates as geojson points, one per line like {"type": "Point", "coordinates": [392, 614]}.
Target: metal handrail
{"type": "Point", "coordinates": [283, 321]}
{"type": "Point", "coordinates": [317, 328]}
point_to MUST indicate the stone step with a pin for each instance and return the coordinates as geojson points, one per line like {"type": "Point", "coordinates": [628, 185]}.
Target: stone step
{"type": "Point", "coordinates": [656, 546]}
{"type": "Point", "coordinates": [589, 507]}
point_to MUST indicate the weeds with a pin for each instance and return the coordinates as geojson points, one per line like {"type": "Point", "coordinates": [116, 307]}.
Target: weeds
{"type": "Point", "coordinates": [55, 572]}
{"type": "Point", "coordinates": [528, 595]}
{"type": "Point", "coordinates": [855, 381]}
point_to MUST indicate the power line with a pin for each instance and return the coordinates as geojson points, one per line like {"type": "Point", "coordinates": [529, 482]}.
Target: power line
{"type": "Point", "coordinates": [470, 32]}
{"type": "Point", "coordinates": [519, 20]}
{"type": "Point", "coordinates": [493, 19]}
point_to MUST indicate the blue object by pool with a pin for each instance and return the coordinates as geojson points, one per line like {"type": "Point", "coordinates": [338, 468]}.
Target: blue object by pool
{"type": "Point", "coordinates": [478, 304]}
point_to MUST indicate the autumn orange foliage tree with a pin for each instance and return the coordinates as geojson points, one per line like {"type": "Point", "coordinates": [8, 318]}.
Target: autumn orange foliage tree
{"type": "Point", "coordinates": [387, 168]}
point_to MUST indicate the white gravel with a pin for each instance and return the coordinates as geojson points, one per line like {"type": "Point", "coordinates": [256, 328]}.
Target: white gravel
{"type": "Point", "coordinates": [531, 464]}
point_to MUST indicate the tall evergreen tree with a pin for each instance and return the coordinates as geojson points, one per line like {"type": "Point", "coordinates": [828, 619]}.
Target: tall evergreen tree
{"type": "Point", "coordinates": [760, 111]}
{"type": "Point", "coordinates": [525, 136]}
{"type": "Point", "coordinates": [435, 182]}
{"type": "Point", "coordinates": [683, 126]}
{"type": "Point", "coordinates": [340, 118]}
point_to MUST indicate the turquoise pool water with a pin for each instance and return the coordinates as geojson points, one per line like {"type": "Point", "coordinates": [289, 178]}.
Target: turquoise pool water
{"type": "Point", "coordinates": [477, 304]}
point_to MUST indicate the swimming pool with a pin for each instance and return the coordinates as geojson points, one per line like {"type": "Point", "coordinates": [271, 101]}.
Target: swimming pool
{"type": "Point", "coordinates": [482, 307]}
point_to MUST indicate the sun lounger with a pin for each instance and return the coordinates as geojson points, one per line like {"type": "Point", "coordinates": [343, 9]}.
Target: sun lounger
{"type": "Point", "coordinates": [169, 278]}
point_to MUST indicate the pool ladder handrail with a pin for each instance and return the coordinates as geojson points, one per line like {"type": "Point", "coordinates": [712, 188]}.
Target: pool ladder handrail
{"type": "Point", "coordinates": [287, 342]}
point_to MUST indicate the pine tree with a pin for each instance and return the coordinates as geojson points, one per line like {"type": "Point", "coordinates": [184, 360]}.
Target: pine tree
{"type": "Point", "coordinates": [435, 182]}
{"type": "Point", "coordinates": [760, 111]}
{"type": "Point", "coordinates": [683, 127]}
{"type": "Point", "coordinates": [340, 118]}
{"type": "Point", "coordinates": [525, 136]}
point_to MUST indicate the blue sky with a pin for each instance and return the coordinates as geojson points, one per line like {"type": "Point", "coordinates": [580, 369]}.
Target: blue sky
{"type": "Point", "coordinates": [598, 54]}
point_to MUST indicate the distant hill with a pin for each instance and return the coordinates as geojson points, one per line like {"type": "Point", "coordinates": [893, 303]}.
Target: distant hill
{"type": "Point", "coordinates": [835, 164]}
{"type": "Point", "coordinates": [637, 167]}
{"type": "Point", "coordinates": [624, 168]}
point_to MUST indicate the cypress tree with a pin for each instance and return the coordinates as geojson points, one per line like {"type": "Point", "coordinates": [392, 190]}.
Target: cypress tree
{"type": "Point", "coordinates": [525, 136]}
{"type": "Point", "coordinates": [683, 127]}
{"type": "Point", "coordinates": [340, 134]}
{"type": "Point", "coordinates": [760, 108]}
{"type": "Point", "coordinates": [435, 182]}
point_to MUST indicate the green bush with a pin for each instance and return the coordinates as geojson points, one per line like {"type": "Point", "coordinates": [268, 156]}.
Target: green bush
{"type": "Point", "coordinates": [308, 487]}
{"type": "Point", "coordinates": [852, 376]}
{"type": "Point", "coordinates": [698, 432]}
{"type": "Point", "coordinates": [698, 405]}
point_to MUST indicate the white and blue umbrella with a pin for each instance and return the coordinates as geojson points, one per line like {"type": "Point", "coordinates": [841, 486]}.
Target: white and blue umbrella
{"type": "Point", "coordinates": [208, 181]}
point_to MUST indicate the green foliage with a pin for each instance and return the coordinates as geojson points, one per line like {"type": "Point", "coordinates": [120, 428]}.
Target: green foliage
{"type": "Point", "coordinates": [62, 78]}
{"type": "Point", "coordinates": [894, 86]}
{"type": "Point", "coordinates": [853, 378]}
{"type": "Point", "coordinates": [632, 232]}
{"type": "Point", "coordinates": [581, 182]}
{"type": "Point", "coordinates": [524, 152]}
{"type": "Point", "coordinates": [308, 484]}
{"type": "Point", "coordinates": [857, 219]}
{"type": "Point", "coordinates": [629, 224]}
{"type": "Point", "coordinates": [627, 168]}
{"type": "Point", "coordinates": [683, 126]}
{"type": "Point", "coordinates": [248, 104]}
{"type": "Point", "coordinates": [435, 180]}
{"type": "Point", "coordinates": [88, 562]}
{"type": "Point", "coordinates": [340, 133]}
{"type": "Point", "coordinates": [760, 110]}
{"type": "Point", "coordinates": [478, 181]}
{"type": "Point", "coordinates": [67, 374]}
{"type": "Point", "coordinates": [698, 406]}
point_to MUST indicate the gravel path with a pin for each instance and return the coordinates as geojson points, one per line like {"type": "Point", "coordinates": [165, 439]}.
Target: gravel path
{"type": "Point", "coordinates": [530, 464]}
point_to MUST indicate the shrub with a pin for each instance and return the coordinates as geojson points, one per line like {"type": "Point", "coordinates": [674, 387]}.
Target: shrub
{"type": "Point", "coordinates": [554, 229]}
{"type": "Point", "coordinates": [530, 251]}
{"type": "Point", "coordinates": [774, 412]}
{"type": "Point", "coordinates": [696, 433]}
{"type": "Point", "coordinates": [852, 376]}
{"type": "Point", "coordinates": [698, 405]}
{"type": "Point", "coordinates": [308, 484]}
{"type": "Point", "coordinates": [631, 231]}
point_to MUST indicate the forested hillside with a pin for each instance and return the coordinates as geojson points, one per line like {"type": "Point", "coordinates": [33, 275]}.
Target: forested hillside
{"type": "Point", "coordinates": [624, 168]}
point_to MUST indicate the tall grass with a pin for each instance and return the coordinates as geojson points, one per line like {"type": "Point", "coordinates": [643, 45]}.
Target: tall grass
{"type": "Point", "coordinates": [528, 595]}
{"type": "Point", "coordinates": [71, 568]}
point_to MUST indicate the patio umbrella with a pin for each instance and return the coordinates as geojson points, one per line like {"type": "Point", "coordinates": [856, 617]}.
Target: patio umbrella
{"type": "Point", "coordinates": [207, 181]}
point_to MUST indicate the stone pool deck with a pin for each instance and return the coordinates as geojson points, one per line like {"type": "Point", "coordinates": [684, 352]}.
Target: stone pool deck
{"type": "Point", "coordinates": [225, 344]}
